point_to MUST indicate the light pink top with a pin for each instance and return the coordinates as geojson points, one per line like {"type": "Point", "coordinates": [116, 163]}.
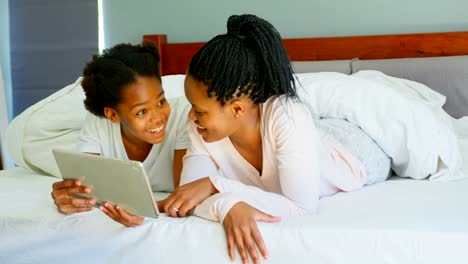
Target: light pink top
{"type": "Point", "coordinates": [299, 166]}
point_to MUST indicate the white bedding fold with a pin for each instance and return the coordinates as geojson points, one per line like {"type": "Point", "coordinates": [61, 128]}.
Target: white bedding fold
{"type": "Point", "coordinates": [404, 118]}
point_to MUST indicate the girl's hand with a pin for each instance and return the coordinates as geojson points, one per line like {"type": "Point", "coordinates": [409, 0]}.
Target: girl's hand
{"type": "Point", "coordinates": [161, 204]}
{"type": "Point", "coordinates": [240, 225]}
{"type": "Point", "coordinates": [119, 215]}
{"type": "Point", "coordinates": [186, 197]}
{"type": "Point", "coordinates": [64, 195]}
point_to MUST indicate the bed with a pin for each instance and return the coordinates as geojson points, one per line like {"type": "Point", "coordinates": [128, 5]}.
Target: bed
{"type": "Point", "coordinates": [401, 220]}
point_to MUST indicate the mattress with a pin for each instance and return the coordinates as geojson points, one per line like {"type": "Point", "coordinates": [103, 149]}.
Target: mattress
{"type": "Point", "coordinates": [397, 221]}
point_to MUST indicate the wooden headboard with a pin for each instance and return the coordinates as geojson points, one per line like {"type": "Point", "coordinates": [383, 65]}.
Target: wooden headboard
{"type": "Point", "coordinates": [175, 57]}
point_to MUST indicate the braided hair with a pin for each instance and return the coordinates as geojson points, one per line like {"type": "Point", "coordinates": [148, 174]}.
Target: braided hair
{"type": "Point", "coordinates": [249, 59]}
{"type": "Point", "coordinates": [107, 74]}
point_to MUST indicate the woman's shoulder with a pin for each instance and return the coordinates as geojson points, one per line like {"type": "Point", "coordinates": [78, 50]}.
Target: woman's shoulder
{"type": "Point", "coordinates": [279, 106]}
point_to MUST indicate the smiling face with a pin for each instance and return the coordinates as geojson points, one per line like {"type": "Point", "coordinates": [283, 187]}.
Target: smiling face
{"type": "Point", "coordinates": [214, 121]}
{"type": "Point", "coordinates": [143, 112]}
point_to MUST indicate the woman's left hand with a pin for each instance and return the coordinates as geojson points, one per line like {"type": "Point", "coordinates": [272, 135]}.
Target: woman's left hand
{"type": "Point", "coordinates": [119, 215]}
{"type": "Point", "coordinates": [240, 225]}
{"type": "Point", "coordinates": [186, 197]}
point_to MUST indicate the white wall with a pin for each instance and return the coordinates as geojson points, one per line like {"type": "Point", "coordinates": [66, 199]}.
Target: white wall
{"type": "Point", "coordinates": [189, 20]}
{"type": "Point", "coordinates": [5, 98]}
{"type": "Point", "coordinates": [5, 51]}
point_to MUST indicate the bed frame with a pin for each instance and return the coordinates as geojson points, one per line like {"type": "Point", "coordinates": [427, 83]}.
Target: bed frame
{"type": "Point", "coordinates": [333, 48]}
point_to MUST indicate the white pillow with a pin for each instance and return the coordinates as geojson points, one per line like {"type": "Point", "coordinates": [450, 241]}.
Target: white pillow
{"type": "Point", "coordinates": [55, 122]}
{"type": "Point", "coordinates": [173, 85]}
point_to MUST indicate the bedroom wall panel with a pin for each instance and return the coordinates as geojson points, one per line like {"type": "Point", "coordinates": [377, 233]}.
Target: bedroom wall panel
{"type": "Point", "coordinates": [195, 21]}
{"type": "Point", "coordinates": [5, 83]}
{"type": "Point", "coordinates": [5, 54]}
{"type": "Point", "coordinates": [51, 40]}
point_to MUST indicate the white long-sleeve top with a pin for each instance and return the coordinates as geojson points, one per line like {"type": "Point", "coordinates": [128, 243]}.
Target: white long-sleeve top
{"type": "Point", "coordinates": [299, 166]}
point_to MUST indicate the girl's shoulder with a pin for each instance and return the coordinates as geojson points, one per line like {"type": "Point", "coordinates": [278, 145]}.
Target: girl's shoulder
{"type": "Point", "coordinates": [96, 121]}
{"type": "Point", "coordinates": [98, 126]}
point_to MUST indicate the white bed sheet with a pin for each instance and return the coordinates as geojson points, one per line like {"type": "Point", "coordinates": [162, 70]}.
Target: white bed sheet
{"type": "Point", "coordinates": [398, 221]}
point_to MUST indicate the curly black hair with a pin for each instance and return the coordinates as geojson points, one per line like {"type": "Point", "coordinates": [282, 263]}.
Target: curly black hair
{"type": "Point", "coordinates": [249, 59]}
{"type": "Point", "coordinates": [107, 73]}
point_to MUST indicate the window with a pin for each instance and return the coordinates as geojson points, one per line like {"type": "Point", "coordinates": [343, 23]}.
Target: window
{"type": "Point", "coordinates": [50, 41]}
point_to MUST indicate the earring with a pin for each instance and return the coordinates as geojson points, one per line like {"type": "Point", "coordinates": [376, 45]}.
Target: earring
{"type": "Point", "coordinates": [237, 115]}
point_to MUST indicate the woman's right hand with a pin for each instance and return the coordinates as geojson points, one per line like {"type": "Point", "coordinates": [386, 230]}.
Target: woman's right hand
{"type": "Point", "coordinates": [240, 225]}
{"type": "Point", "coordinates": [64, 195]}
{"type": "Point", "coordinates": [184, 198]}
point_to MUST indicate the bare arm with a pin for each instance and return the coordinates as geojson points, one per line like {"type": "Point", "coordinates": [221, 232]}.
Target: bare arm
{"type": "Point", "coordinates": [177, 165]}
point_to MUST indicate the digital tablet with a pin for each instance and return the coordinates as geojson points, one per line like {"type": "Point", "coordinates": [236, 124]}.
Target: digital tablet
{"type": "Point", "coordinates": [121, 182]}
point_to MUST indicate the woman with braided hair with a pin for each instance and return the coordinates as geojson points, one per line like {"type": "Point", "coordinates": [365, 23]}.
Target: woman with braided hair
{"type": "Point", "coordinates": [256, 154]}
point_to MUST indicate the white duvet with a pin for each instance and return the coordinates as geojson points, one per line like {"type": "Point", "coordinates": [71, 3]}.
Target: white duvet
{"type": "Point", "coordinates": [400, 221]}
